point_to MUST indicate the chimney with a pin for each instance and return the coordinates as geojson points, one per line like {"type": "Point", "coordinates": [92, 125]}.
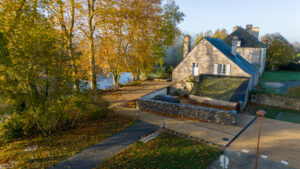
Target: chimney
{"type": "Point", "coordinates": [234, 45]}
{"type": "Point", "coordinates": [249, 27]}
{"type": "Point", "coordinates": [186, 45]}
{"type": "Point", "coordinates": [253, 30]}
{"type": "Point", "coordinates": [235, 28]}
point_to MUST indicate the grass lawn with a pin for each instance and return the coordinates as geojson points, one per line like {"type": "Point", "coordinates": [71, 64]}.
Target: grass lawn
{"type": "Point", "coordinates": [294, 92]}
{"type": "Point", "coordinates": [280, 76]}
{"type": "Point", "coordinates": [272, 112]}
{"type": "Point", "coordinates": [64, 144]}
{"type": "Point", "coordinates": [166, 151]}
{"type": "Point", "coordinates": [221, 88]}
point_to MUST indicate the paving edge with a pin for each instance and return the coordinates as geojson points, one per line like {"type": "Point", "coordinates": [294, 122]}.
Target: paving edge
{"type": "Point", "coordinates": [235, 137]}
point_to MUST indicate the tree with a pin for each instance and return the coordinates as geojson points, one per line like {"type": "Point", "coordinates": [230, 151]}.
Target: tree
{"type": "Point", "coordinates": [279, 51]}
{"type": "Point", "coordinates": [201, 35]}
{"type": "Point", "coordinates": [220, 33]}
{"type": "Point", "coordinates": [64, 13]}
{"type": "Point", "coordinates": [88, 25]}
{"type": "Point", "coordinates": [136, 33]}
{"type": "Point", "coordinates": [35, 75]}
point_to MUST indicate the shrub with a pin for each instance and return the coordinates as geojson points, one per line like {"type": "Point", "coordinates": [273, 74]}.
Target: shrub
{"type": "Point", "coordinates": [51, 116]}
{"type": "Point", "coordinates": [161, 73]}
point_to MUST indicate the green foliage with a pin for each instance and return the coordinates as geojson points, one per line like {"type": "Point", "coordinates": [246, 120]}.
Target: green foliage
{"type": "Point", "coordinates": [165, 151]}
{"type": "Point", "coordinates": [279, 51]}
{"type": "Point", "coordinates": [219, 33]}
{"type": "Point", "coordinates": [161, 73]}
{"type": "Point", "coordinates": [294, 92]}
{"type": "Point", "coordinates": [35, 76]}
{"type": "Point", "coordinates": [191, 79]}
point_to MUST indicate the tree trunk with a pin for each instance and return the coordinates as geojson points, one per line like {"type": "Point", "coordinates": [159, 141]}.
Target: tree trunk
{"type": "Point", "coordinates": [91, 26]}
{"type": "Point", "coordinates": [92, 64]}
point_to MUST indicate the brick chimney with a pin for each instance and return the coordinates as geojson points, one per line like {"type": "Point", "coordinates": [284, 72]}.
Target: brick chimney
{"type": "Point", "coordinates": [186, 45]}
{"type": "Point", "coordinates": [234, 45]}
{"type": "Point", "coordinates": [253, 30]}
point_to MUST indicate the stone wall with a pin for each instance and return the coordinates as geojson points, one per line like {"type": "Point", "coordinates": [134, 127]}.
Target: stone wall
{"type": "Point", "coordinates": [195, 112]}
{"type": "Point", "coordinates": [277, 101]}
{"type": "Point", "coordinates": [206, 55]}
{"type": "Point", "coordinates": [254, 55]}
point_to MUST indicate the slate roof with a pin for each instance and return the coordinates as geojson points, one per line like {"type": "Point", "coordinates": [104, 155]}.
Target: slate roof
{"type": "Point", "coordinates": [247, 40]}
{"type": "Point", "coordinates": [238, 59]}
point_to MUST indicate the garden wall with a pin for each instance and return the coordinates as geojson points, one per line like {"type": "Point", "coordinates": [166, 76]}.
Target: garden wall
{"type": "Point", "coordinates": [277, 101]}
{"type": "Point", "coordinates": [146, 103]}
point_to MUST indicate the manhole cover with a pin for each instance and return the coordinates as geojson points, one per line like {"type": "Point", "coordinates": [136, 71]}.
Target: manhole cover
{"type": "Point", "coordinates": [225, 139]}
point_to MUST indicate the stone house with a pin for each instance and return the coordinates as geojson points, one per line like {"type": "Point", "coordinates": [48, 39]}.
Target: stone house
{"type": "Point", "coordinates": [248, 46]}
{"type": "Point", "coordinates": [239, 55]}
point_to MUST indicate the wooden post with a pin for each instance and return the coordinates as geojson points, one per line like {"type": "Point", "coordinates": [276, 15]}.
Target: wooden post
{"type": "Point", "coordinates": [262, 114]}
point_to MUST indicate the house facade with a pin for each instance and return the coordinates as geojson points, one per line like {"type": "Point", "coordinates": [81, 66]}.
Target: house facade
{"type": "Point", "coordinates": [248, 46]}
{"type": "Point", "coordinates": [213, 56]}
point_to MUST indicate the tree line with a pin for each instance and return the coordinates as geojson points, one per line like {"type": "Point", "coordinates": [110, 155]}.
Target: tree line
{"type": "Point", "coordinates": [48, 49]}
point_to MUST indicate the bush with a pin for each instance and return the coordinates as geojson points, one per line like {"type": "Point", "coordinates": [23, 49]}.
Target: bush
{"type": "Point", "coordinates": [294, 65]}
{"type": "Point", "coordinates": [60, 114]}
{"type": "Point", "coordinates": [161, 73]}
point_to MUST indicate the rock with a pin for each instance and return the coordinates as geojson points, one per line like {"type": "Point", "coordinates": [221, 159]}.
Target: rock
{"type": "Point", "coordinates": [31, 148]}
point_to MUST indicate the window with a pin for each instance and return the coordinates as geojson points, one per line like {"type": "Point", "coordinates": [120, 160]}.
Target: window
{"type": "Point", "coordinates": [221, 69]}
{"type": "Point", "coordinates": [195, 69]}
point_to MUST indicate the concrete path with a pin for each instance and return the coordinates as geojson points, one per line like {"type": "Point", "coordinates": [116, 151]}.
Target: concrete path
{"type": "Point", "coordinates": [240, 160]}
{"type": "Point", "coordinates": [214, 133]}
{"type": "Point", "coordinates": [92, 156]}
{"type": "Point", "coordinates": [279, 141]}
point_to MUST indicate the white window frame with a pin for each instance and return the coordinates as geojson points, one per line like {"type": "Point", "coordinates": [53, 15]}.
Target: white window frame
{"type": "Point", "coordinates": [222, 69]}
{"type": "Point", "coordinates": [195, 69]}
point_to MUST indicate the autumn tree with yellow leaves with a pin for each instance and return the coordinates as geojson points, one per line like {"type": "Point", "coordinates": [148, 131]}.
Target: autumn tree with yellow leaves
{"type": "Point", "coordinates": [48, 49]}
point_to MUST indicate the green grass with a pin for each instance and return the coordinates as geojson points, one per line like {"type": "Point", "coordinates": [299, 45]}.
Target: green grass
{"type": "Point", "coordinates": [221, 88]}
{"type": "Point", "coordinates": [272, 112]}
{"type": "Point", "coordinates": [294, 92]}
{"type": "Point", "coordinates": [64, 144]}
{"type": "Point", "coordinates": [280, 76]}
{"type": "Point", "coordinates": [166, 151]}
{"type": "Point", "coordinates": [289, 117]}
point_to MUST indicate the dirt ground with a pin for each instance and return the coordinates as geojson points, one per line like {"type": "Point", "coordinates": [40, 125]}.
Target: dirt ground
{"type": "Point", "coordinates": [128, 93]}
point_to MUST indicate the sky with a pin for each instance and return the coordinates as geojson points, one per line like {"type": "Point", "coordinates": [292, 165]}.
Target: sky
{"type": "Point", "coordinates": [271, 16]}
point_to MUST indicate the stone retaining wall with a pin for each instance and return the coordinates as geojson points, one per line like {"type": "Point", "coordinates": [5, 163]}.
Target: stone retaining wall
{"type": "Point", "coordinates": [197, 112]}
{"type": "Point", "coordinates": [277, 101]}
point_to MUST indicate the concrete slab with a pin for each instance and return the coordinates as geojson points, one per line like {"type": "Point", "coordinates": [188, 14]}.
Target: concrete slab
{"type": "Point", "coordinates": [215, 133]}
{"type": "Point", "coordinates": [238, 160]}
{"type": "Point", "coordinates": [279, 141]}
